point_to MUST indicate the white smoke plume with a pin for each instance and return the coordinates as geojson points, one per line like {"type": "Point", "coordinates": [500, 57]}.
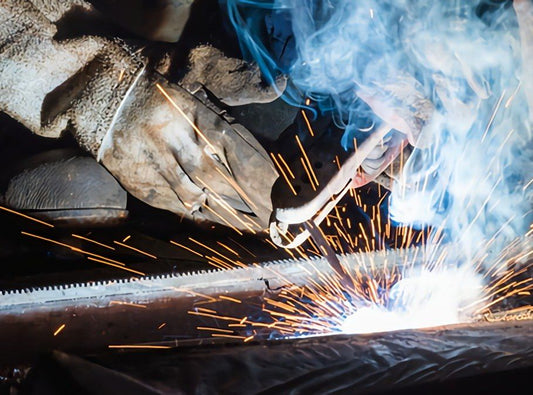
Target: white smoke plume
{"type": "Point", "coordinates": [450, 76]}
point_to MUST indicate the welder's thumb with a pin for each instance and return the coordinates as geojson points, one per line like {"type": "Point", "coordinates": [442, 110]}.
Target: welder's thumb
{"type": "Point", "coordinates": [233, 81]}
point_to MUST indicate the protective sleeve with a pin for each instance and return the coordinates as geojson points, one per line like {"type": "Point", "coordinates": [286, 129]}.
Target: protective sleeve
{"type": "Point", "coordinates": [52, 85]}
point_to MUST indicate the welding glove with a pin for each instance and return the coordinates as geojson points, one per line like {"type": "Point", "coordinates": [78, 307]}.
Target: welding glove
{"type": "Point", "coordinates": [233, 81]}
{"type": "Point", "coordinates": [400, 102]}
{"type": "Point", "coordinates": [173, 152]}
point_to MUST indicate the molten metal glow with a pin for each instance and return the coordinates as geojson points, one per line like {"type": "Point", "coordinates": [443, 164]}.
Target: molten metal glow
{"type": "Point", "coordinates": [421, 299]}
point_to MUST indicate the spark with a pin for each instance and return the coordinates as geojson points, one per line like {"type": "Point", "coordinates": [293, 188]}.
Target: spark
{"type": "Point", "coordinates": [189, 121]}
{"type": "Point", "coordinates": [75, 249]}
{"type": "Point", "coordinates": [493, 115]}
{"type": "Point", "coordinates": [203, 309]}
{"type": "Point", "coordinates": [230, 299]}
{"type": "Point", "coordinates": [93, 241]}
{"type": "Point", "coordinates": [138, 346]}
{"type": "Point", "coordinates": [117, 266]}
{"type": "Point", "coordinates": [212, 250]}
{"type": "Point", "coordinates": [203, 328]}
{"type": "Point", "coordinates": [243, 247]}
{"type": "Point", "coordinates": [135, 249]}
{"type": "Point", "coordinates": [283, 174]}
{"type": "Point", "coordinates": [286, 166]}
{"type": "Point", "coordinates": [308, 124]}
{"type": "Point", "coordinates": [217, 198]}
{"type": "Point", "coordinates": [324, 305]}
{"type": "Point", "coordinates": [162, 325]}
{"type": "Point", "coordinates": [26, 216]}
{"type": "Point", "coordinates": [58, 330]}
{"type": "Point", "coordinates": [308, 174]}
{"type": "Point", "coordinates": [228, 248]}
{"type": "Point", "coordinates": [118, 302]}
{"type": "Point", "coordinates": [224, 220]}
{"type": "Point", "coordinates": [528, 184]}
{"type": "Point", "coordinates": [511, 98]}
{"type": "Point", "coordinates": [187, 248]}
{"type": "Point", "coordinates": [237, 188]}
{"type": "Point", "coordinates": [228, 336]}
{"type": "Point", "coordinates": [306, 159]}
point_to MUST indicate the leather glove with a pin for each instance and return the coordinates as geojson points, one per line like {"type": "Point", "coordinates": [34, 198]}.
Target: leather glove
{"type": "Point", "coordinates": [173, 152]}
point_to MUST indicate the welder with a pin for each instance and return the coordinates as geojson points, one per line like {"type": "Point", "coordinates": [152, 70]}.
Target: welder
{"type": "Point", "coordinates": [166, 144]}
{"type": "Point", "coordinates": [61, 71]}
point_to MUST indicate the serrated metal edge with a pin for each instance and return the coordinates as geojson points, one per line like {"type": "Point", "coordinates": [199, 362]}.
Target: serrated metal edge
{"type": "Point", "coordinates": [179, 284]}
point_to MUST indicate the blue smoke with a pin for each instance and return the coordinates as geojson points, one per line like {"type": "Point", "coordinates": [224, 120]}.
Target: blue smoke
{"type": "Point", "coordinates": [448, 75]}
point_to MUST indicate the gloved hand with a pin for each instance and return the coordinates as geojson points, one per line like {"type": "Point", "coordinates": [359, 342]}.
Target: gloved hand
{"type": "Point", "coordinates": [401, 104]}
{"type": "Point", "coordinates": [171, 151]}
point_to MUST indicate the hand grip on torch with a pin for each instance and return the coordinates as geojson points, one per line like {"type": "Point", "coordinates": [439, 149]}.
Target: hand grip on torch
{"type": "Point", "coordinates": [313, 212]}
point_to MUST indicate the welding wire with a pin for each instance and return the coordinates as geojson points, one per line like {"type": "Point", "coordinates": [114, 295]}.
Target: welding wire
{"type": "Point", "coordinates": [331, 257]}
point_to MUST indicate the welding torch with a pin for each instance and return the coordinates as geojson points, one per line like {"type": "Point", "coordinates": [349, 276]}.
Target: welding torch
{"type": "Point", "coordinates": [310, 206]}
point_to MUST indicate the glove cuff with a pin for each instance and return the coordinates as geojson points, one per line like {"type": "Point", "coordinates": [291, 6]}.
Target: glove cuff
{"type": "Point", "coordinates": [114, 73]}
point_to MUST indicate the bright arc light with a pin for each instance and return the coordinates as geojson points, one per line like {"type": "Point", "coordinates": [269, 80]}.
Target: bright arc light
{"type": "Point", "coordinates": [421, 299]}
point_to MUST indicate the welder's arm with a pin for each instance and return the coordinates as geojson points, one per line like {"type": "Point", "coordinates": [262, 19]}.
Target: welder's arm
{"type": "Point", "coordinates": [173, 152]}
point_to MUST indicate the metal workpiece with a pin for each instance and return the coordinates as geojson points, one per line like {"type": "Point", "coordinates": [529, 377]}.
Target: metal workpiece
{"type": "Point", "coordinates": [97, 314]}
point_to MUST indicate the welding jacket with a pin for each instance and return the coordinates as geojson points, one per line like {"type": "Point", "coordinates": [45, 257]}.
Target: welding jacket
{"type": "Point", "coordinates": [100, 90]}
